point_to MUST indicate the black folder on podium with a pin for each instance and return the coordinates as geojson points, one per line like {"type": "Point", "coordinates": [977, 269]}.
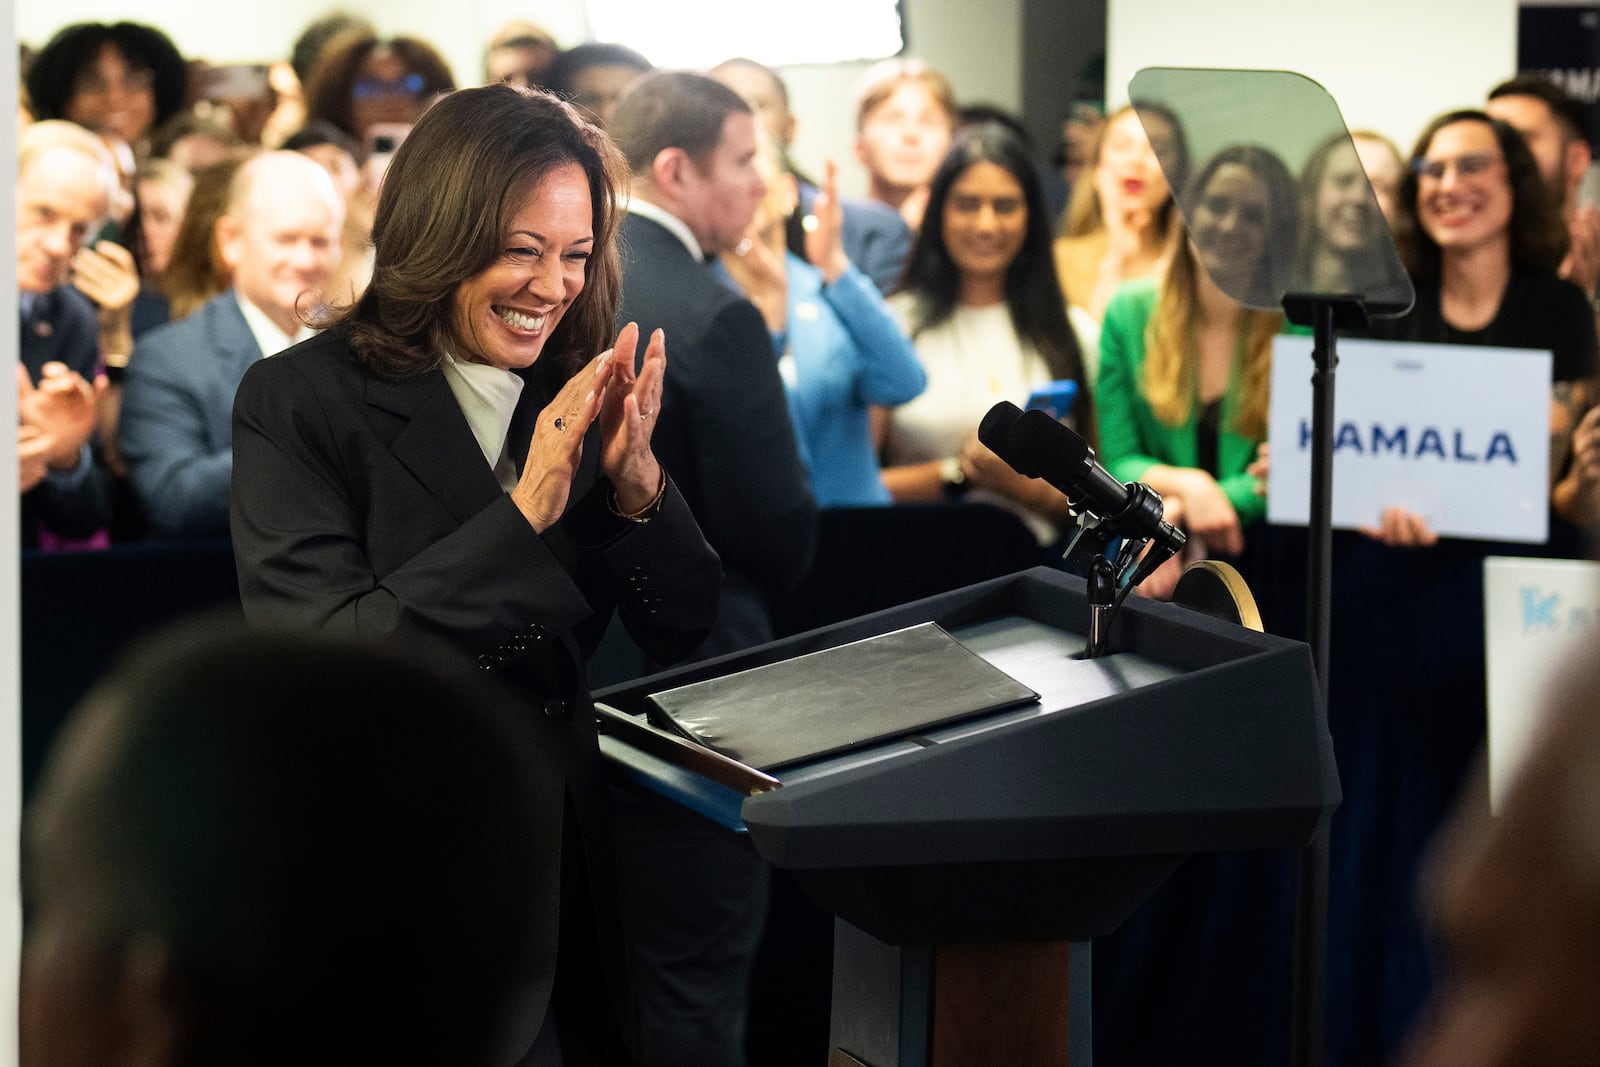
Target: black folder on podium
{"type": "Point", "coordinates": [1044, 823]}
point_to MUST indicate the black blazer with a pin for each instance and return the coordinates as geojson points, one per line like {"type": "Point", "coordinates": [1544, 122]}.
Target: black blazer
{"type": "Point", "coordinates": [724, 429]}
{"type": "Point", "coordinates": [365, 506]}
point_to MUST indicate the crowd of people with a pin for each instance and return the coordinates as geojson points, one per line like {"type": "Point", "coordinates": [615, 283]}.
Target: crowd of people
{"type": "Point", "coordinates": [446, 271]}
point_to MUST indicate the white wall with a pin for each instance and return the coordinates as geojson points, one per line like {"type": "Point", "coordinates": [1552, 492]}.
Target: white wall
{"type": "Point", "coordinates": [1391, 64]}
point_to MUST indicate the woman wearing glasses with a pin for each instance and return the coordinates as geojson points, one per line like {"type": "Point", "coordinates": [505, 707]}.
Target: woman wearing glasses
{"type": "Point", "coordinates": [1483, 240]}
{"type": "Point", "coordinates": [361, 81]}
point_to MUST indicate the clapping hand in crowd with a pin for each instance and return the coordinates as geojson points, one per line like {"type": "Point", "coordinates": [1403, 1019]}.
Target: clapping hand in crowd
{"type": "Point", "coordinates": [56, 418]}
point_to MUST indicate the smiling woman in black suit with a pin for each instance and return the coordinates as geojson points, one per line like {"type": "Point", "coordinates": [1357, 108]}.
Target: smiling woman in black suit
{"type": "Point", "coordinates": [451, 470]}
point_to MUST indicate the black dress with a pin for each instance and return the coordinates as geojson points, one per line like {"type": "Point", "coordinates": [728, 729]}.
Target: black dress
{"type": "Point", "coordinates": [1408, 699]}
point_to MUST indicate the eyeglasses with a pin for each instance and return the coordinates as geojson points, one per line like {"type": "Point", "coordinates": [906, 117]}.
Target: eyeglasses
{"type": "Point", "coordinates": [371, 88]}
{"type": "Point", "coordinates": [90, 83]}
{"type": "Point", "coordinates": [1467, 166]}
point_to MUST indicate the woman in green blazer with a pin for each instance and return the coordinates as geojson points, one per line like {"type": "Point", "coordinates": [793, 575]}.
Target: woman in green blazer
{"type": "Point", "coordinates": [1185, 370]}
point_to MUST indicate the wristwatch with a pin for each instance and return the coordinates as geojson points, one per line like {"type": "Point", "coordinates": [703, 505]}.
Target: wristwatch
{"type": "Point", "coordinates": [954, 478]}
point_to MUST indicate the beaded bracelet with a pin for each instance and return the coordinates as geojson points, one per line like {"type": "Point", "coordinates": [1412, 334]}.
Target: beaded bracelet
{"type": "Point", "coordinates": [644, 514]}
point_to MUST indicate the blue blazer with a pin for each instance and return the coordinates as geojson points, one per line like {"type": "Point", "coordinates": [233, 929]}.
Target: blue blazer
{"type": "Point", "coordinates": [176, 426]}
{"type": "Point", "coordinates": [846, 354]}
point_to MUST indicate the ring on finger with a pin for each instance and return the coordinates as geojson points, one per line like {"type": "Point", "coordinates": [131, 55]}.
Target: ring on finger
{"type": "Point", "coordinates": [561, 424]}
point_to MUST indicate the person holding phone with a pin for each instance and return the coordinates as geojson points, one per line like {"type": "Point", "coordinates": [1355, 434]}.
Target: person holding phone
{"type": "Point", "coordinates": [981, 302]}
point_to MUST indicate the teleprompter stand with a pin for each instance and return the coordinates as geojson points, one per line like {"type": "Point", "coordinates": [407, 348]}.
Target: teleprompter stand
{"type": "Point", "coordinates": [1281, 127]}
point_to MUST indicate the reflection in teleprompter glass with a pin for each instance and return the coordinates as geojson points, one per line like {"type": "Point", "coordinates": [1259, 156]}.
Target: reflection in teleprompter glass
{"type": "Point", "coordinates": [1270, 186]}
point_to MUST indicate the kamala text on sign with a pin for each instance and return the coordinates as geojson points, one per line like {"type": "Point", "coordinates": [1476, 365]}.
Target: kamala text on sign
{"type": "Point", "coordinates": [1457, 433]}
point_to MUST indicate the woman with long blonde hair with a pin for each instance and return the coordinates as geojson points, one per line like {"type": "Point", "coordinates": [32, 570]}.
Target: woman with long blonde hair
{"type": "Point", "coordinates": [1185, 369]}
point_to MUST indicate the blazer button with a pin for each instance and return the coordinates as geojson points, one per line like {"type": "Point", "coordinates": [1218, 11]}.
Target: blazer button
{"type": "Point", "coordinates": [487, 662]}
{"type": "Point", "coordinates": [555, 708]}
{"type": "Point", "coordinates": [535, 632]}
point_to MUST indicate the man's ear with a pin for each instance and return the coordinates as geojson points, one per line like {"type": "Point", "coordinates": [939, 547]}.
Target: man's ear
{"type": "Point", "coordinates": [229, 237]}
{"type": "Point", "coordinates": [1578, 157]}
{"type": "Point", "coordinates": [154, 1011]}
{"type": "Point", "coordinates": [669, 171]}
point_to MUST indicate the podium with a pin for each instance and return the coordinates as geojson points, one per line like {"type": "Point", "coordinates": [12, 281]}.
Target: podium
{"type": "Point", "coordinates": [967, 865]}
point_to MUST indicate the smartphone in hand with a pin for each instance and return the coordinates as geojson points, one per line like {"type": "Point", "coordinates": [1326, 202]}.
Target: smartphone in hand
{"type": "Point", "coordinates": [1054, 399]}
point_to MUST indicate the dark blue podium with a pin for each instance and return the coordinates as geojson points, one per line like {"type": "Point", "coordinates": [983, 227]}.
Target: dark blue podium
{"type": "Point", "coordinates": [968, 865]}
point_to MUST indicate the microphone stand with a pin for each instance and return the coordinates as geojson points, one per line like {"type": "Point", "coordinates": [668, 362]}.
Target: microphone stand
{"type": "Point", "coordinates": [1326, 315]}
{"type": "Point", "coordinates": [1108, 582]}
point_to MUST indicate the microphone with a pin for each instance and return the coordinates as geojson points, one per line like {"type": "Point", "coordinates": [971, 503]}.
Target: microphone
{"type": "Point", "coordinates": [1037, 446]}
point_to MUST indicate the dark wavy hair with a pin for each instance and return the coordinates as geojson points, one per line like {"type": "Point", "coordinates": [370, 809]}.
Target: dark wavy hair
{"type": "Point", "coordinates": [1538, 235]}
{"type": "Point", "coordinates": [54, 71]}
{"type": "Point", "coordinates": [1033, 293]}
{"type": "Point", "coordinates": [330, 90]}
{"type": "Point", "coordinates": [1282, 224]}
{"type": "Point", "coordinates": [446, 204]}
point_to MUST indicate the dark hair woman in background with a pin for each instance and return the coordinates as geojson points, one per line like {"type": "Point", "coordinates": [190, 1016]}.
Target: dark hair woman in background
{"type": "Point", "coordinates": [982, 304]}
{"type": "Point", "coordinates": [119, 80]}
{"type": "Point", "coordinates": [361, 79]}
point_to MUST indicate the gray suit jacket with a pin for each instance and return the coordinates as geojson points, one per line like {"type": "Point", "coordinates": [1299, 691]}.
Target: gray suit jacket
{"type": "Point", "coordinates": [176, 427]}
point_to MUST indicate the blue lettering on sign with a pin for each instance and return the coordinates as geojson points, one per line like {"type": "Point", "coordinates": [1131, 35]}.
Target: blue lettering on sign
{"type": "Point", "coordinates": [1429, 441]}
{"type": "Point", "coordinates": [1538, 613]}
{"type": "Point", "coordinates": [1395, 442]}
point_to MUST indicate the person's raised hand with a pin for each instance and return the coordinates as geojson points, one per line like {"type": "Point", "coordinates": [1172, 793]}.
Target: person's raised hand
{"type": "Point", "coordinates": [32, 465]}
{"type": "Point", "coordinates": [62, 407]}
{"type": "Point", "coordinates": [1581, 267]}
{"type": "Point", "coordinates": [106, 274]}
{"type": "Point", "coordinates": [541, 492]}
{"type": "Point", "coordinates": [825, 225]}
{"type": "Point", "coordinates": [632, 407]}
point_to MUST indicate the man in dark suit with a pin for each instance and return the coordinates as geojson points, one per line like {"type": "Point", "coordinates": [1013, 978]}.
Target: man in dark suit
{"type": "Point", "coordinates": [875, 237]}
{"type": "Point", "coordinates": [724, 432]}
{"type": "Point", "coordinates": [65, 180]}
{"type": "Point", "coordinates": [279, 237]}
{"type": "Point", "coordinates": [694, 894]}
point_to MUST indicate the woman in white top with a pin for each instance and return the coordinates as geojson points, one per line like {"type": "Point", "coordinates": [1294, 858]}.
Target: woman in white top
{"type": "Point", "coordinates": [982, 304]}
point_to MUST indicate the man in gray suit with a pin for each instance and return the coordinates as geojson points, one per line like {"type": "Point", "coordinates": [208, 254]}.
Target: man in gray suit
{"type": "Point", "coordinates": [279, 237]}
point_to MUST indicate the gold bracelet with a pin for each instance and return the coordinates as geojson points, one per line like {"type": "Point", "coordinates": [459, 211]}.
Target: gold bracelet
{"type": "Point", "coordinates": [644, 514]}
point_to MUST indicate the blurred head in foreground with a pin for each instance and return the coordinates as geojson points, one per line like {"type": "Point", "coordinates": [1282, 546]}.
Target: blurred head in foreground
{"type": "Point", "coordinates": [249, 846]}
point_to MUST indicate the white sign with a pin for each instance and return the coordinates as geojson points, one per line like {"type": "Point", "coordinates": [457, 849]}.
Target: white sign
{"type": "Point", "coordinates": [1538, 614]}
{"type": "Point", "coordinates": [1459, 434]}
